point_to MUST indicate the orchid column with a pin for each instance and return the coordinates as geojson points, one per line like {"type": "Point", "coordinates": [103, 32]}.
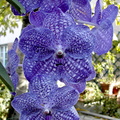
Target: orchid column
{"type": "Point", "coordinates": [58, 46]}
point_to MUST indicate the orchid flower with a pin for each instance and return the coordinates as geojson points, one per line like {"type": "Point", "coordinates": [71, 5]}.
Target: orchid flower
{"type": "Point", "coordinates": [45, 101]}
{"type": "Point", "coordinates": [68, 58]}
{"type": "Point", "coordinates": [13, 61]}
{"type": "Point", "coordinates": [104, 29]}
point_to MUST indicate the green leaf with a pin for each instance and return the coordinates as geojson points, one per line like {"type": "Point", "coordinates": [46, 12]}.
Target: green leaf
{"type": "Point", "coordinates": [18, 6]}
{"type": "Point", "coordinates": [5, 78]}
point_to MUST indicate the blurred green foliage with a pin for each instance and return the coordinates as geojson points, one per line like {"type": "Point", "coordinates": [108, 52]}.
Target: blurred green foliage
{"type": "Point", "coordinates": [91, 93]}
{"type": "Point", "coordinates": [8, 21]}
{"type": "Point", "coordinates": [5, 98]}
{"type": "Point", "coordinates": [96, 101]}
{"type": "Point", "coordinates": [110, 107]}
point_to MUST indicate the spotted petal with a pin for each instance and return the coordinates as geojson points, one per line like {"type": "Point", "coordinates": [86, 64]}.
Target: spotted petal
{"type": "Point", "coordinates": [64, 98]}
{"type": "Point", "coordinates": [50, 5]}
{"type": "Point", "coordinates": [29, 5]}
{"type": "Point", "coordinates": [13, 58]}
{"type": "Point", "coordinates": [79, 41]}
{"type": "Point", "coordinates": [27, 102]}
{"type": "Point", "coordinates": [26, 29]}
{"type": "Point", "coordinates": [13, 61]}
{"type": "Point", "coordinates": [76, 70]}
{"type": "Point", "coordinates": [15, 78]}
{"type": "Point", "coordinates": [57, 21]}
{"type": "Point", "coordinates": [66, 115]}
{"type": "Point", "coordinates": [42, 85]}
{"type": "Point", "coordinates": [103, 44]}
{"type": "Point", "coordinates": [81, 10]}
{"type": "Point", "coordinates": [32, 67]}
{"type": "Point", "coordinates": [36, 114]}
{"type": "Point", "coordinates": [70, 69]}
{"type": "Point", "coordinates": [37, 43]}
{"type": "Point", "coordinates": [104, 38]}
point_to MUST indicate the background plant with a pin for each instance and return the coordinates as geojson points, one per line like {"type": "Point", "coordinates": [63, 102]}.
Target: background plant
{"type": "Point", "coordinates": [8, 21]}
{"type": "Point", "coordinates": [5, 99]}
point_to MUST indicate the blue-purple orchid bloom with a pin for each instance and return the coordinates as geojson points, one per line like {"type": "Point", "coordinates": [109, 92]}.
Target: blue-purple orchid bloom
{"type": "Point", "coordinates": [104, 29]}
{"type": "Point", "coordinates": [13, 61]}
{"type": "Point", "coordinates": [68, 58]}
{"type": "Point", "coordinates": [45, 101]}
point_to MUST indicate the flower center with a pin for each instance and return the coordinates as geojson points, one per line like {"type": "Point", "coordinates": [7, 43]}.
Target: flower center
{"type": "Point", "coordinates": [47, 112]}
{"type": "Point", "coordinates": [60, 54]}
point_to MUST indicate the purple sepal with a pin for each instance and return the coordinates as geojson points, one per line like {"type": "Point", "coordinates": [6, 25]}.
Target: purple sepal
{"type": "Point", "coordinates": [97, 16]}
{"type": "Point", "coordinates": [13, 61]}
{"type": "Point", "coordinates": [104, 32]}
{"type": "Point", "coordinates": [104, 37]}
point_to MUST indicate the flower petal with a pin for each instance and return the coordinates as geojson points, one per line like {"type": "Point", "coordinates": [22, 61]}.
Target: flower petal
{"type": "Point", "coordinates": [13, 59]}
{"type": "Point", "coordinates": [26, 29]}
{"type": "Point", "coordinates": [34, 115]}
{"type": "Point", "coordinates": [57, 21]}
{"type": "Point", "coordinates": [15, 79]}
{"type": "Point", "coordinates": [26, 102]}
{"type": "Point", "coordinates": [79, 41]}
{"type": "Point", "coordinates": [50, 5]}
{"type": "Point", "coordinates": [66, 115]}
{"type": "Point", "coordinates": [103, 44]}
{"type": "Point", "coordinates": [80, 86]}
{"type": "Point", "coordinates": [37, 43]}
{"type": "Point", "coordinates": [97, 16]}
{"type": "Point", "coordinates": [42, 85]}
{"type": "Point", "coordinates": [28, 5]}
{"type": "Point", "coordinates": [15, 44]}
{"type": "Point", "coordinates": [64, 98]}
{"type": "Point", "coordinates": [81, 10]}
{"type": "Point", "coordinates": [104, 38]}
{"type": "Point", "coordinates": [75, 70]}
{"type": "Point", "coordinates": [36, 18]}
{"type": "Point", "coordinates": [32, 67]}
